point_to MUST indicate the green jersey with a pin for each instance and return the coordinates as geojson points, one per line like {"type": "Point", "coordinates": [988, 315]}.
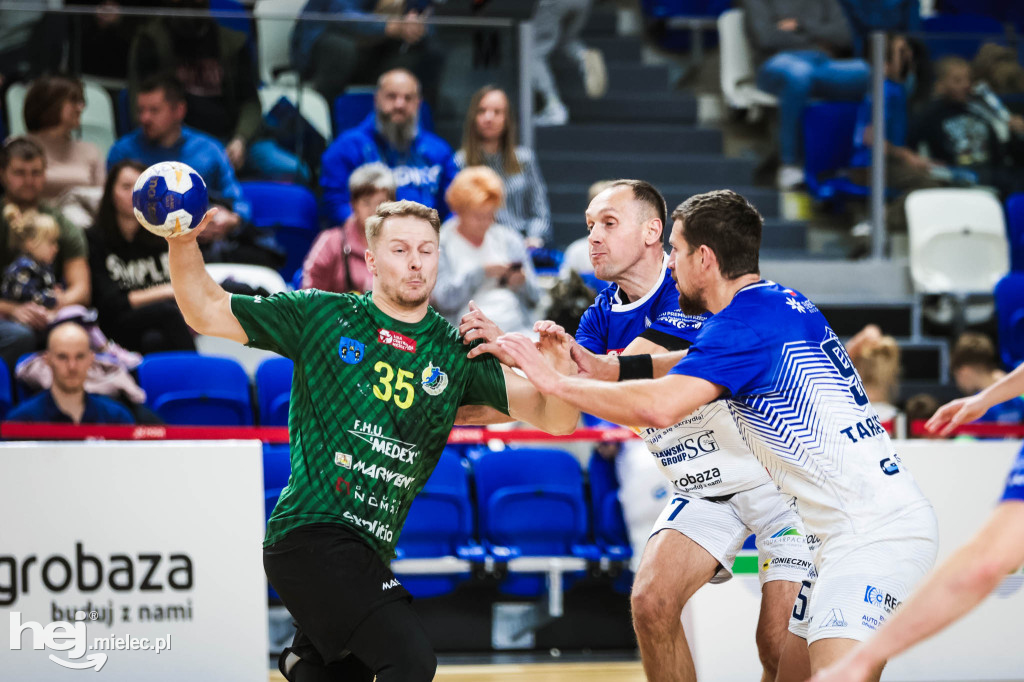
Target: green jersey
{"type": "Point", "coordinates": [373, 401]}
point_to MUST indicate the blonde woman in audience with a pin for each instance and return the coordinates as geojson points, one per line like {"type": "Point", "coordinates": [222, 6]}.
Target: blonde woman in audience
{"type": "Point", "coordinates": [481, 259]}
{"type": "Point", "coordinates": [489, 139]}
{"type": "Point", "coordinates": [877, 359]}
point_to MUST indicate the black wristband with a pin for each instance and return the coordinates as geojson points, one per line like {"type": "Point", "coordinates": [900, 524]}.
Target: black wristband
{"type": "Point", "coordinates": [635, 367]}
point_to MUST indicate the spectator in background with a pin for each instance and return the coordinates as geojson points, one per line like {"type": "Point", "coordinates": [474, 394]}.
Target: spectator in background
{"type": "Point", "coordinates": [74, 168]}
{"type": "Point", "coordinates": [800, 45]}
{"type": "Point", "coordinates": [337, 260]}
{"type": "Point", "coordinates": [336, 54]}
{"type": "Point", "coordinates": [130, 274]}
{"type": "Point", "coordinates": [489, 139]}
{"type": "Point", "coordinates": [31, 42]}
{"type": "Point", "coordinates": [30, 279]}
{"type": "Point", "coordinates": [101, 40]}
{"type": "Point", "coordinates": [422, 162]}
{"type": "Point", "coordinates": [558, 23]}
{"type": "Point", "coordinates": [214, 64]}
{"type": "Point", "coordinates": [23, 173]}
{"type": "Point", "coordinates": [70, 356]}
{"type": "Point", "coordinates": [876, 358]}
{"type": "Point", "coordinates": [483, 260]}
{"type": "Point", "coordinates": [975, 367]}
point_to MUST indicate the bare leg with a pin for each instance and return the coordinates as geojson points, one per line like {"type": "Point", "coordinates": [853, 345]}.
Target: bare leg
{"type": "Point", "coordinates": [673, 567]}
{"type": "Point", "coordinates": [795, 661]}
{"type": "Point", "coordinates": [777, 599]}
{"type": "Point", "coordinates": [825, 652]}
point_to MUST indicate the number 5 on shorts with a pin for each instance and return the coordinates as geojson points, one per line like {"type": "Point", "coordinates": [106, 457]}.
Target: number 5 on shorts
{"type": "Point", "coordinates": [800, 607]}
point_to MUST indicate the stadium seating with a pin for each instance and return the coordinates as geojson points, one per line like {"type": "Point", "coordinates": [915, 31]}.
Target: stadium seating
{"type": "Point", "coordinates": [275, 20]}
{"type": "Point", "coordinates": [187, 388]}
{"type": "Point", "coordinates": [828, 129]}
{"type": "Point", "coordinates": [608, 523]}
{"type": "Point", "coordinates": [1015, 230]}
{"type": "Point", "coordinates": [273, 390]}
{"type": "Point", "coordinates": [276, 466]}
{"type": "Point", "coordinates": [966, 32]}
{"type": "Point", "coordinates": [6, 398]}
{"type": "Point", "coordinates": [292, 211]}
{"type": "Point", "coordinates": [98, 124]}
{"type": "Point", "coordinates": [1010, 312]}
{"type": "Point", "coordinates": [437, 548]}
{"type": "Point", "coordinates": [737, 73]}
{"type": "Point", "coordinates": [310, 103]}
{"type": "Point", "coordinates": [355, 105]}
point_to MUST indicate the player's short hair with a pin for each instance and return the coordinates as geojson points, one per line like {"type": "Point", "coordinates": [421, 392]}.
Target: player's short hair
{"type": "Point", "coordinates": [727, 224]}
{"type": "Point", "coordinates": [371, 178]}
{"type": "Point", "coordinates": [648, 196]}
{"type": "Point", "coordinates": [475, 187]}
{"type": "Point", "coordinates": [973, 349]}
{"type": "Point", "coordinates": [44, 101]}
{"type": "Point", "coordinates": [174, 91]}
{"type": "Point", "coordinates": [399, 209]}
{"type": "Point", "coordinates": [21, 148]}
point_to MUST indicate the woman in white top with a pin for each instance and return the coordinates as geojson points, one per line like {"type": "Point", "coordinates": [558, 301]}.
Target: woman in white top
{"type": "Point", "coordinates": [483, 260]}
{"type": "Point", "coordinates": [489, 139]}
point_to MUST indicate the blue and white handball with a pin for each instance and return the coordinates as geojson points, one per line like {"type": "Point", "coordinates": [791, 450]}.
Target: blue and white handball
{"type": "Point", "coordinates": [169, 198]}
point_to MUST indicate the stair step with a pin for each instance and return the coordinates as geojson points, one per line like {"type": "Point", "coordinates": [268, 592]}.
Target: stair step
{"type": "Point", "coordinates": [632, 108]}
{"type": "Point", "coordinates": [629, 138]}
{"type": "Point", "coordinates": [659, 169]}
{"type": "Point", "coordinates": [617, 48]}
{"type": "Point", "coordinates": [622, 77]}
{"type": "Point", "coordinates": [603, 23]}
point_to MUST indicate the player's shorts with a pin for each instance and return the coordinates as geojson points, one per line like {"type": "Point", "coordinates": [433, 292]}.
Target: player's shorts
{"type": "Point", "coordinates": [330, 581]}
{"type": "Point", "coordinates": [862, 579]}
{"type": "Point", "coordinates": [1015, 481]}
{"type": "Point", "coordinates": [722, 525]}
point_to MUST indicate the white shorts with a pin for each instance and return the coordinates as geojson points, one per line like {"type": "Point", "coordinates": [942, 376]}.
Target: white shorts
{"type": "Point", "coordinates": [721, 527]}
{"type": "Point", "coordinates": [861, 579]}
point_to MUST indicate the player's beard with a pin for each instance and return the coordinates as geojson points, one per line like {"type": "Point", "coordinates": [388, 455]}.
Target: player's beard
{"type": "Point", "coordinates": [407, 300]}
{"type": "Point", "coordinates": [692, 304]}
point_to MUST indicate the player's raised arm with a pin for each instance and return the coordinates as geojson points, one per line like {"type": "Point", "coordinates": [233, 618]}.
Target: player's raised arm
{"type": "Point", "coordinates": [965, 410]}
{"type": "Point", "coordinates": [204, 304]}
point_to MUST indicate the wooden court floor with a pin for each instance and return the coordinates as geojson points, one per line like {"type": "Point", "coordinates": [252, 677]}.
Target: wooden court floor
{"type": "Point", "coordinates": [534, 672]}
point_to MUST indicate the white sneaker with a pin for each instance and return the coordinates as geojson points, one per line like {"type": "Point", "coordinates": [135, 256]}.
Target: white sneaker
{"type": "Point", "coordinates": [553, 114]}
{"type": "Point", "coordinates": [789, 177]}
{"type": "Point", "coordinates": [595, 75]}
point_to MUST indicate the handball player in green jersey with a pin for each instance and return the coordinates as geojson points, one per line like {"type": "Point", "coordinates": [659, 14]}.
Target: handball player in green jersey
{"type": "Point", "coordinates": [379, 380]}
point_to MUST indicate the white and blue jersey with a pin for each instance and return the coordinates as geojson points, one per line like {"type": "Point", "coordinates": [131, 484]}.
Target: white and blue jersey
{"type": "Point", "coordinates": [703, 455]}
{"type": "Point", "coordinates": [1015, 481]}
{"type": "Point", "coordinates": [801, 408]}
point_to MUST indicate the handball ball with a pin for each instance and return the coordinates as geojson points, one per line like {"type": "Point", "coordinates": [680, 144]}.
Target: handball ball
{"type": "Point", "coordinates": [169, 199]}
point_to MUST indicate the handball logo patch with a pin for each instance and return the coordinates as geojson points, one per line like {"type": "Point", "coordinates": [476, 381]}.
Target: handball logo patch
{"type": "Point", "coordinates": [343, 460]}
{"type": "Point", "coordinates": [396, 340]}
{"type": "Point", "coordinates": [434, 380]}
{"type": "Point", "coordinates": [351, 351]}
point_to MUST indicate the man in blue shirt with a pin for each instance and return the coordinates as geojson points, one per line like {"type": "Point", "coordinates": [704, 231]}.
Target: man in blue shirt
{"type": "Point", "coordinates": [161, 136]}
{"type": "Point", "coordinates": [422, 162]}
{"type": "Point", "coordinates": [69, 356]}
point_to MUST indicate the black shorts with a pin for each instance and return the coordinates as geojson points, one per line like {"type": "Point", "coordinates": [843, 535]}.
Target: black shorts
{"type": "Point", "coordinates": [330, 581]}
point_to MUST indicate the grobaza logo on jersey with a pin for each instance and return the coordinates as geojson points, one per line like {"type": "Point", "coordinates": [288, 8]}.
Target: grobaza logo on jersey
{"type": "Point", "coordinates": [434, 381]}
{"type": "Point", "coordinates": [396, 340]}
{"type": "Point", "coordinates": [351, 351]}
{"type": "Point", "coordinates": [690, 446]}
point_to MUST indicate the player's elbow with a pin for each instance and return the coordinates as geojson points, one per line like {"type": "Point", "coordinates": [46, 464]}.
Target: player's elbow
{"type": "Point", "coordinates": [565, 427]}
{"type": "Point", "coordinates": [655, 416]}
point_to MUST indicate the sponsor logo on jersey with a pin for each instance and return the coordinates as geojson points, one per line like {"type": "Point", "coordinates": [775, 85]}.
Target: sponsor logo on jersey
{"type": "Point", "coordinates": [381, 531]}
{"type": "Point", "coordinates": [881, 599]}
{"type": "Point", "coordinates": [384, 474]}
{"type": "Point", "coordinates": [434, 381]}
{"type": "Point", "coordinates": [787, 531]}
{"type": "Point", "coordinates": [872, 623]}
{"type": "Point", "coordinates": [343, 460]}
{"type": "Point", "coordinates": [392, 447]}
{"type": "Point", "coordinates": [257, 299]}
{"type": "Point", "coordinates": [396, 340]}
{"type": "Point", "coordinates": [1015, 479]}
{"type": "Point", "coordinates": [351, 351]}
{"type": "Point", "coordinates": [835, 619]}
{"type": "Point", "coordinates": [680, 320]}
{"type": "Point", "coordinates": [388, 585]}
{"type": "Point", "coordinates": [889, 466]}
{"type": "Point", "coordinates": [699, 480]}
{"type": "Point", "coordinates": [868, 428]}
{"type": "Point", "coordinates": [689, 447]}
{"type": "Point", "coordinates": [786, 561]}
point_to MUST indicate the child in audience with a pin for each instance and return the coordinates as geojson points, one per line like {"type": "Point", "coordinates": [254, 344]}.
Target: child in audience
{"type": "Point", "coordinates": [30, 277]}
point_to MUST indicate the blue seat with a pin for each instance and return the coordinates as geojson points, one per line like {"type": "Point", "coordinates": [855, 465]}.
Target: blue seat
{"type": "Point", "coordinates": [828, 129]}
{"type": "Point", "coordinates": [292, 211]}
{"type": "Point", "coordinates": [276, 465]}
{"type": "Point", "coordinates": [188, 388]}
{"type": "Point", "coordinates": [530, 504]}
{"type": "Point", "coordinates": [664, 9]}
{"type": "Point", "coordinates": [608, 522]}
{"type": "Point", "coordinates": [1009, 294]}
{"type": "Point", "coordinates": [966, 32]}
{"type": "Point", "coordinates": [1015, 231]}
{"type": "Point", "coordinates": [351, 108]}
{"type": "Point", "coordinates": [273, 390]}
{"type": "Point", "coordinates": [440, 524]}
{"type": "Point", "coordinates": [6, 397]}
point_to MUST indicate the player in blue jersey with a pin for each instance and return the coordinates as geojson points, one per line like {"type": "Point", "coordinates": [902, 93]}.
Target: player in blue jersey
{"type": "Point", "coordinates": [720, 494]}
{"type": "Point", "coordinates": [801, 409]}
{"type": "Point", "coordinates": [971, 573]}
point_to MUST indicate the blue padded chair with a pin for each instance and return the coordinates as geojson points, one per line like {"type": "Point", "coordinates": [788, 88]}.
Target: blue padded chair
{"type": "Point", "coordinates": [609, 524]}
{"type": "Point", "coordinates": [1015, 230]}
{"type": "Point", "coordinates": [440, 524]}
{"type": "Point", "coordinates": [967, 31]}
{"type": "Point", "coordinates": [351, 108]}
{"type": "Point", "coordinates": [188, 388]}
{"type": "Point", "coordinates": [1009, 294]}
{"type": "Point", "coordinates": [276, 466]}
{"type": "Point", "coordinates": [530, 503]}
{"type": "Point", "coordinates": [6, 398]}
{"type": "Point", "coordinates": [292, 210]}
{"type": "Point", "coordinates": [273, 390]}
{"type": "Point", "coordinates": [828, 129]}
